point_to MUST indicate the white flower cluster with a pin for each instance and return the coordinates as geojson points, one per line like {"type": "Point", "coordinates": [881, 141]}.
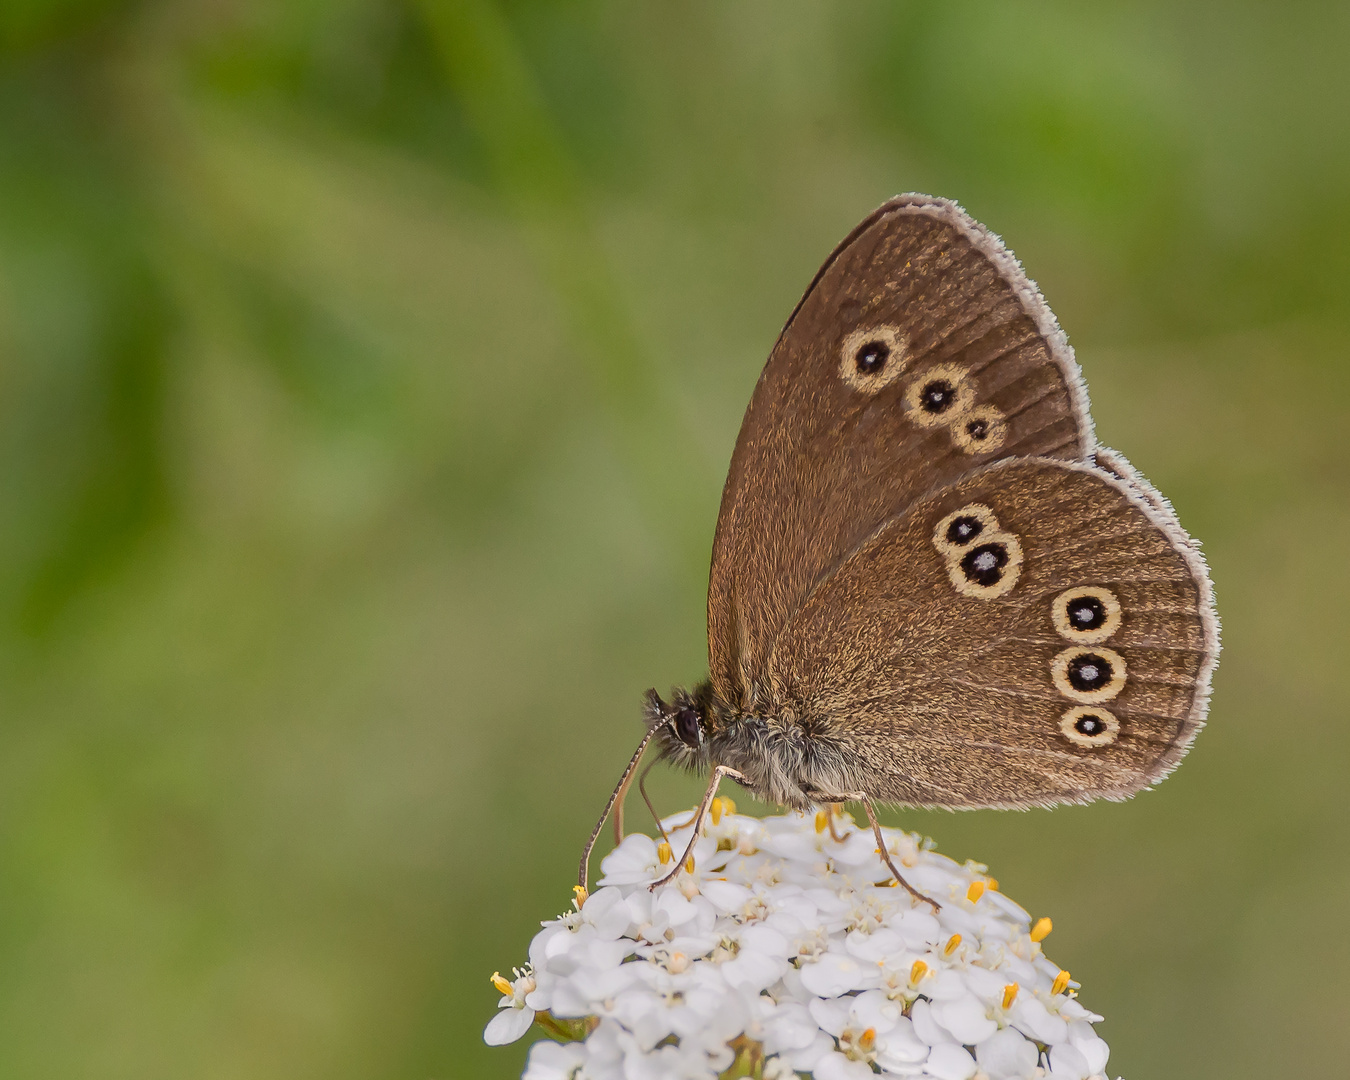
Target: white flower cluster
{"type": "Point", "coordinates": [784, 950]}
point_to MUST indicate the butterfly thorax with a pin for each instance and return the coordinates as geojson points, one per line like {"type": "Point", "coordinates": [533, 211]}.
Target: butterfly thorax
{"type": "Point", "coordinates": [782, 762]}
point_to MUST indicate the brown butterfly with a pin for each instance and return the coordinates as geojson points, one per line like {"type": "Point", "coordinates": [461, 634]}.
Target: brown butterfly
{"type": "Point", "coordinates": [930, 586]}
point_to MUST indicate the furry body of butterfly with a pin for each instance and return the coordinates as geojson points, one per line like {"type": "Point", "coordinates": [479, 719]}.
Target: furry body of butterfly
{"type": "Point", "coordinates": [929, 585]}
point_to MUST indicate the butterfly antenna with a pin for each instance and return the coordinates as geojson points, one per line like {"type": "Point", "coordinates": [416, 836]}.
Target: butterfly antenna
{"type": "Point", "coordinates": [584, 871]}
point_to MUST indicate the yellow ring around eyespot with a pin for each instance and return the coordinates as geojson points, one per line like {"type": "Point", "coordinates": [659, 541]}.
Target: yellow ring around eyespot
{"type": "Point", "coordinates": [896, 359]}
{"type": "Point", "coordinates": [948, 373]}
{"type": "Point", "coordinates": [1012, 569]}
{"type": "Point", "coordinates": [1059, 672]}
{"type": "Point", "coordinates": [981, 513]}
{"type": "Point", "coordinates": [1068, 725]}
{"type": "Point", "coordinates": [1059, 614]}
{"type": "Point", "coordinates": [996, 430]}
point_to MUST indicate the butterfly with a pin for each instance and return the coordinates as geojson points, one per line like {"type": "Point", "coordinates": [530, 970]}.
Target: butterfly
{"type": "Point", "coordinates": [930, 586]}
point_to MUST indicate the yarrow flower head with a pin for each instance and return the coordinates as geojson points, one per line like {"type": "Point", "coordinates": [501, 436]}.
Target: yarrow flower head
{"type": "Point", "coordinates": [787, 949]}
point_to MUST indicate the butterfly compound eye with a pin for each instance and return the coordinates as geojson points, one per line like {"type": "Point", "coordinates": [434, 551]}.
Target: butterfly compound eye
{"type": "Point", "coordinates": [687, 727]}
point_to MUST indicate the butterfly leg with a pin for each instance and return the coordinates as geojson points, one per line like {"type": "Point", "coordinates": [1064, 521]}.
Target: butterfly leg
{"type": "Point", "coordinates": [831, 814]}
{"type": "Point", "coordinates": [886, 855]}
{"type": "Point", "coordinates": [642, 790]}
{"type": "Point", "coordinates": [717, 774]}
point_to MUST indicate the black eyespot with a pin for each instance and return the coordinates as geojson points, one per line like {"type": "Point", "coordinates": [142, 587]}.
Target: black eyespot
{"type": "Point", "coordinates": [978, 430]}
{"type": "Point", "coordinates": [1086, 613]}
{"type": "Point", "coordinates": [687, 727]}
{"type": "Point", "coordinates": [937, 396]}
{"type": "Point", "coordinates": [1088, 672]}
{"type": "Point", "coordinates": [963, 530]}
{"type": "Point", "coordinates": [984, 565]}
{"type": "Point", "coordinates": [1089, 725]}
{"type": "Point", "coordinates": [872, 357]}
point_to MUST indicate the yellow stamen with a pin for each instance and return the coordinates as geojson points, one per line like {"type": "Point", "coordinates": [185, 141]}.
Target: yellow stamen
{"type": "Point", "coordinates": [664, 853]}
{"type": "Point", "coordinates": [728, 807]}
{"type": "Point", "coordinates": [689, 865]}
{"type": "Point", "coordinates": [952, 943]}
{"type": "Point", "coordinates": [678, 963]}
{"type": "Point", "coordinates": [506, 989]}
{"type": "Point", "coordinates": [1010, 995]}
{"type": "Point", "coordinates": [1042, 929]}
{"type": "Point", "coordinates": [822, 821]}
{"type": "Point", "coordinates": [975, 891]}
{"type": "Point", "coordinates": [917, 972]}
{"type": "Point", "coordinates": [716, 811]}
{"type": "Point", "coordinates": [1061, 983]}
{"type": "Point", "coordinates": [580, 896]}
{"type": "Point", "coordinates": [992, 884]}
{"type": "Point", "coordinates": [867, 1040]}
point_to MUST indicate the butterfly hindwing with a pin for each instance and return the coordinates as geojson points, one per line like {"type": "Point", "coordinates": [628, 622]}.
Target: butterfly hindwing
{"type": "Point", "coordinates": [1037, 632]}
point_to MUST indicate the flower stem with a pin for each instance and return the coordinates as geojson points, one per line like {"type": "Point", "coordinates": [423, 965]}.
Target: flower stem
{"type": "Point", "coordinates": [749, 1060]}
{"type": "Point", "coordinates": [567, 1030]}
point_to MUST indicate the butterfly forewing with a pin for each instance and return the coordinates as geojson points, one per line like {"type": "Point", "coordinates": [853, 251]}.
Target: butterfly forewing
{"type": "Point", "coordinates": [1038, 632]}
{"type": "Point", "coordinates": [920, 352]}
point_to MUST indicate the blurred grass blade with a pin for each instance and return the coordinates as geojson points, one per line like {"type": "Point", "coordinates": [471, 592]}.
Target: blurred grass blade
{"type": "Point", "coordinates": [536, 175]}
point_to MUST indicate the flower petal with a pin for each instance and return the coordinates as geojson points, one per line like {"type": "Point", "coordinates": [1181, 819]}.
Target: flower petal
{"type": "Point", "coordinates": [837, 973]}
{"type": "Point", "coordinates": [507, 1026]}
{"type": "Point", "coordinates": [966, 1019]}
{"type": "Point", "coordinates": [554, 1061]}
{"type": "Point", "coordinates": [1086, 1042]}
{"type": "Point", "coordinates": [950, 1062]}
{"type": "Point", "coordinates": [1068, 1063]}
{"type": "Point", "coordinates": [835, 1066]}
{"type": "Point", "coordinates": [1007, 1055]}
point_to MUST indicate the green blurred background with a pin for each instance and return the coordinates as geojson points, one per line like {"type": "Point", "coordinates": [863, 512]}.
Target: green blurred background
{"type": "Point", "coordinates": [368, 372]}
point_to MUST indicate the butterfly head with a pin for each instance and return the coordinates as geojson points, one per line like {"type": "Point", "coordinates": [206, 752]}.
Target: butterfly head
{"type": "Point", "coordinates": [683, 728]}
